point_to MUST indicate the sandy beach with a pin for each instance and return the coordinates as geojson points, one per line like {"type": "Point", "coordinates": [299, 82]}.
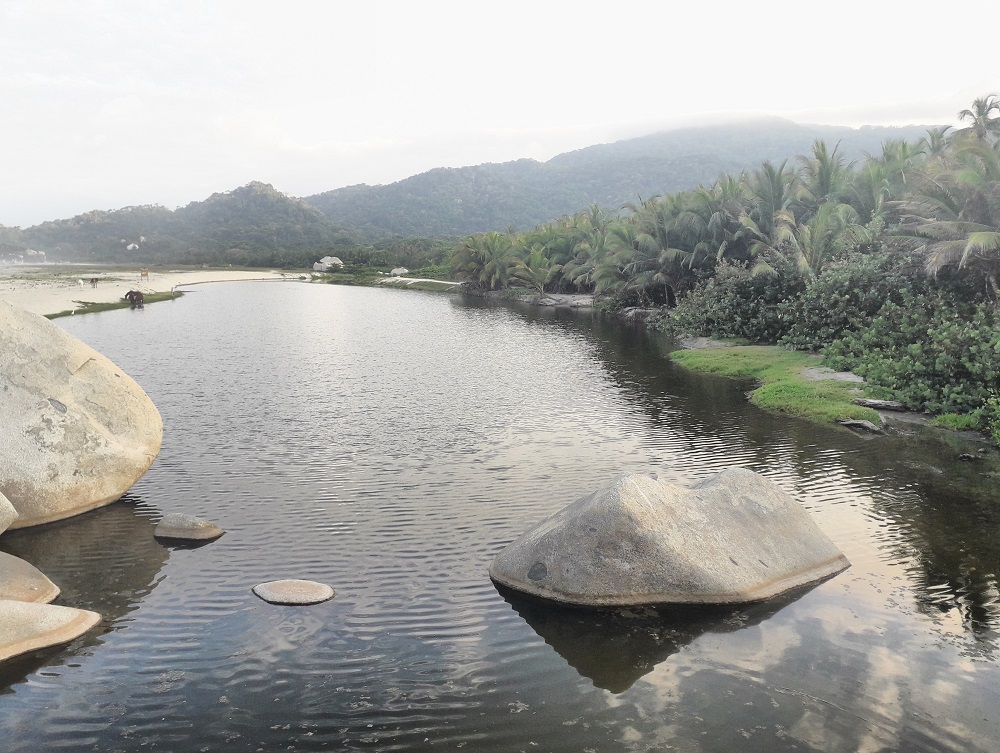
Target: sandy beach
{"type": "Point", "coordinates": [52, 288]}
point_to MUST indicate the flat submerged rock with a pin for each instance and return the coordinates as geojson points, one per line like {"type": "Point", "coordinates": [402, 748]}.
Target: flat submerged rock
{"type": "Point", "coordinates": [294, 592]}
{"type": "Point", "coordinates": [733, 538]}
{"type": "Point", "coordinates": [186, 528]}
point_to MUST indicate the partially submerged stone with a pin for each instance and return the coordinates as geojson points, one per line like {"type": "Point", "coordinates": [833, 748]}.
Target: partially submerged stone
{"type": "Point", "coordinates": [77, 432]}
{"type": "Point", "coordinates": [22, 581]}
{"type": "Point", "coordinates": [861, 424]}
{"type": "Point", "coordinates": [735, 537]}
{"type": "Point", "coordinates": [186, 527]}
{"type": "Point", "coordinates": [294, 592]}
{"type": "Point", "coordinates": [27, 627]}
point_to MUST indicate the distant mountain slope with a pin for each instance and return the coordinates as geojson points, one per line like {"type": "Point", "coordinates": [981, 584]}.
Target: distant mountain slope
{"type": "Point", "coordinates": [522, 194]}
{"type": "Point", "coordinates": [253, 224]}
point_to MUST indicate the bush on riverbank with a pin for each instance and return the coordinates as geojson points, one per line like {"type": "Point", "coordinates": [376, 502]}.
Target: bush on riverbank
{"type": "Point", "coordinates": [928, 351]}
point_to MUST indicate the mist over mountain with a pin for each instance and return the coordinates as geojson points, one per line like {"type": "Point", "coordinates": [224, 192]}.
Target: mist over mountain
{"type": "Point", "coordinates": [258, 225]}
{"type": "Point", "coordinates": [525, 193]}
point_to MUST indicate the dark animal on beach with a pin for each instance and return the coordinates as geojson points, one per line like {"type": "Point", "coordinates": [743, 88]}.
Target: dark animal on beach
{"type": "Point", "coordinates": [135, 298]}
{"type": "Point", "coordinates": [93, 282]}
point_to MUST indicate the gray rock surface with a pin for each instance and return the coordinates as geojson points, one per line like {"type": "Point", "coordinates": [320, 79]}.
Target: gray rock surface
{"type": "Point", "coordinates": [295, 592]}
{"type": "Point", "coordinates": [22, 581]}
{"type": "Point", "coordinates": [870, 402]}
{"type": "Point", "coordinates": [861, 424]}
{"type": "Point", "coordinates": [187, 527]}
{"type": "Point", "coordinates": [27, 627]}
{"type": "Point", "coordinates": [77, 432]}
{"type": "Point", "coordinates": [735, 537]}
{"type": "Point", "coordinates": [7, 513]}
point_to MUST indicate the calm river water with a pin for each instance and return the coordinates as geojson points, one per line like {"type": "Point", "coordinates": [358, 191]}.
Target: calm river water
{"type": "Point", "coordinates": [390, 443]}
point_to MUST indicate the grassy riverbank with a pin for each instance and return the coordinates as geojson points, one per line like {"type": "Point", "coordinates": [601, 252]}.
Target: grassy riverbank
{"type": "Point", "coordinates": [784, 386]}
{"type": "Point", "coordinates": [90, 308]}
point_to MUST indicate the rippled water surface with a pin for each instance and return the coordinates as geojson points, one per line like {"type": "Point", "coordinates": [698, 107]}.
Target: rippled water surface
{"type": "Point", "coordinates": [390, 443]}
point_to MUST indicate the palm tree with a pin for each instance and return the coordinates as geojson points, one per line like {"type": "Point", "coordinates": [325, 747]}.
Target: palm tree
{"type": "Point", "coordinates": [833, 228]}
{"type": "Point", "coordinates": [536, 268]}
{"type": "Point", "coordinates": [983, 126]}
{"type": "Point", "coordinates": [935, 143]}
{"type": "Point", "coordinates": [770, 221]}
{"type": "Point", "coordinates": [954, 217]}
{"type": "Point", "coordinates": [485, 261]}
{"type": "Point", "coordinates": [591, 249]}
{"type": "Point", "coordinates": [825, 177]}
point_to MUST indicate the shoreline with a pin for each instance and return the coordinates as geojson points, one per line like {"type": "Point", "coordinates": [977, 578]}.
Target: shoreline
{"type": "Point", "coordinates": [54, 289]}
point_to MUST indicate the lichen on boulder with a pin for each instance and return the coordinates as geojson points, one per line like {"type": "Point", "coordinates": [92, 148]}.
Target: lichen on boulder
{"type": "Point", "coordinates": [733, 538]}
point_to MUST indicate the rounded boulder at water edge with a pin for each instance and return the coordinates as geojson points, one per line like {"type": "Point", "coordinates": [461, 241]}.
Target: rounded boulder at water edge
{"type": "Point", "coordinates": [28, 627]}
{"type": "Point", "coordinates": [22, 581]}
{"type": "Point", "coordinates": [77, 432]}
{"type": "Point", "coordinates": [186, 528]}
{"type": "Point", "coordinates": [735, 537]}
{"type": "Point", "coordinates": [294, 592]}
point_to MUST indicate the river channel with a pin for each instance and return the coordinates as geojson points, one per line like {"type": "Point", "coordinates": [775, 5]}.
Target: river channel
{"type": "Point", "coordinates": [390, 443]}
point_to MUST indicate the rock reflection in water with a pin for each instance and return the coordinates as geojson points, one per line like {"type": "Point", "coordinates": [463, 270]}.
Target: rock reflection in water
{"type": "Point", "coordinates": [105, 560]}
{"type": "Point", "coordinates": [615, 647]}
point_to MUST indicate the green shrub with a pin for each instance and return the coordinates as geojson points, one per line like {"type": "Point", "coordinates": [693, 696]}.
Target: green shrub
{"type": "Point", "coordinates": [846, 297]}
{"type": "Point", "coordinates": [735, 304]}
{"type": "Point", "coordinates": [928, 351]}
{"type": "Point", "coordinates": [991, 416]}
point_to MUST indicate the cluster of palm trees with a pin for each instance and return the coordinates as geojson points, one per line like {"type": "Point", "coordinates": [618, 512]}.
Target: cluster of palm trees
{"type": "Point", "coordinates": [940, 195]}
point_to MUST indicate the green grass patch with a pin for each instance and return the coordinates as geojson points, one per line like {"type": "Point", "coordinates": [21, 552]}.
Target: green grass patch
{"type": "Point", "coordinates": [782, 387]}
{"type": "Point", "coordinates": [959, 421]}
{"type": "Point", "coordinates": [90, 308]}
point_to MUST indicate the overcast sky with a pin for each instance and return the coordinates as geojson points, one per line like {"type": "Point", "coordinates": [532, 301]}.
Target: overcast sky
{"type": "Point", "coordinates": [109, 104]}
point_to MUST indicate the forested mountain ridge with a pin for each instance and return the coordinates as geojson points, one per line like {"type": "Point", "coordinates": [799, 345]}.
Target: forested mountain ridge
{"type": "Point", "coordinates": [251, 225]}
{"type": "Point", "coordinates": [525, 193]}
{"type": "Point", "coordinates": [259, 225]}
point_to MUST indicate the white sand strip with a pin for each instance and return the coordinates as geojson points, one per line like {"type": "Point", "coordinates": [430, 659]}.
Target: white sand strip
{"type": "Point", "coordinates": [49, 290]}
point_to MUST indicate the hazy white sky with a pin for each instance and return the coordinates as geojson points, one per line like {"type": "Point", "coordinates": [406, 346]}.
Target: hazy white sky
{"type": "Point", "coordinates": [110, 103]}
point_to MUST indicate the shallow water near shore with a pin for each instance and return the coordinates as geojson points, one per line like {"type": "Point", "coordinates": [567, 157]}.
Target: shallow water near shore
{"type": "Point", "coordinates": [390, 443]}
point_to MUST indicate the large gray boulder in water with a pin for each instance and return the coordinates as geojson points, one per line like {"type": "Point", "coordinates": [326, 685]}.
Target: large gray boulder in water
{"type": "Point", "coordinates": [77, 432]}
{"type": "Point", "coordinates": [735, 537]}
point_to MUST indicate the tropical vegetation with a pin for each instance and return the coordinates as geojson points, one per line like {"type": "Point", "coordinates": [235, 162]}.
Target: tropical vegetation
{"type": "Point", "coordinates": [888, 265]}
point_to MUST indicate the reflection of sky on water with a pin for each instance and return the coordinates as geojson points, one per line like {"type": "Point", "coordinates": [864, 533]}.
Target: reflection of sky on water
{"type": "Point", "coordinates": [391, 443]}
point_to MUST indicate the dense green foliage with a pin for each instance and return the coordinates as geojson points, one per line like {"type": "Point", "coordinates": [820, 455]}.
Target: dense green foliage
{"type": "Point", "coordinates": [888, 265]}
{"type": "Point", "coordinates": [928, 351]}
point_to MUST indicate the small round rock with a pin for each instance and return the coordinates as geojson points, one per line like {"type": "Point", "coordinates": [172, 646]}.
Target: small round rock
{"type": "Point", "coordinates": [295, 592]}
{"type": "Point", "coordinates": [187, 527]}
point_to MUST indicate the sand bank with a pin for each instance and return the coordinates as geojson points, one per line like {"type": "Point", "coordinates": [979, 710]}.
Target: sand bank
{"type": "Point", "coordinates": [52, 288]}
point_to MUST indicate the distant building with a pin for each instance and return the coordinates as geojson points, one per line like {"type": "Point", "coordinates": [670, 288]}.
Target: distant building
{"type": "Point", "coordinates": [399, 271]}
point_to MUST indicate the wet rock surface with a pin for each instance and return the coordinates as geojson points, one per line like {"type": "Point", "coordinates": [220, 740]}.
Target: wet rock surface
{"type": "Point", "coordinates": [294, 592]}
{"type": "Point", "coordinates": [186, 528]}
